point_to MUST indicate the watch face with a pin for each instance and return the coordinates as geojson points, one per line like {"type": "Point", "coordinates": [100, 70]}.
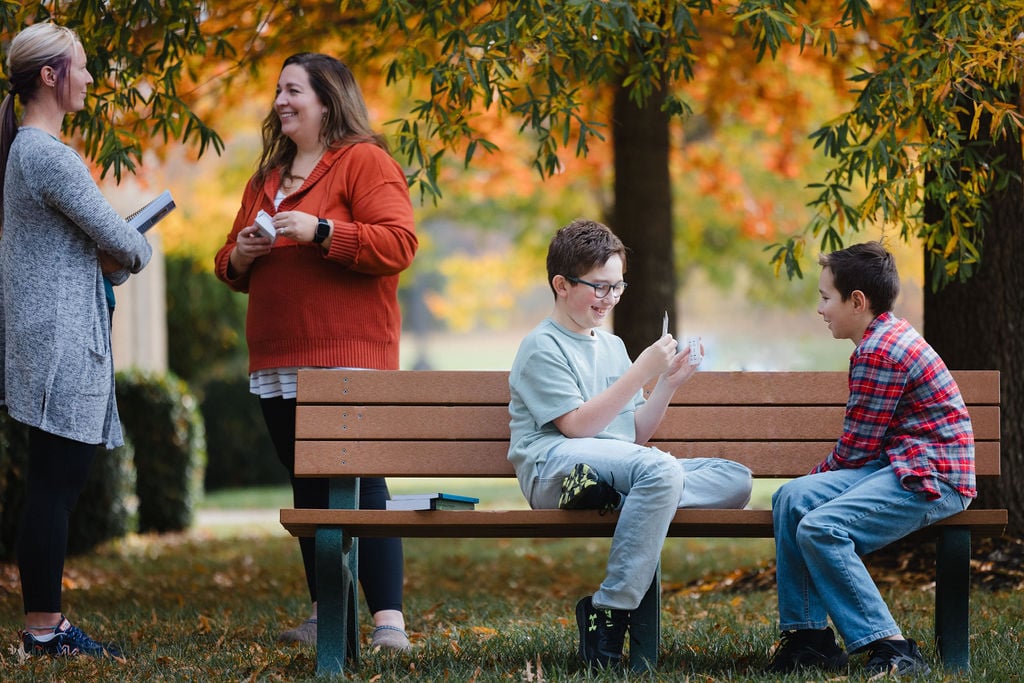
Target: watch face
{"type": "Point", "coordinates": [323, 229]}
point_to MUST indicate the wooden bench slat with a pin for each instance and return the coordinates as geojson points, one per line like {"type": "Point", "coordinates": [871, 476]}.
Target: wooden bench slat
{"type": "Point", "coordinates": [394, 387]}
{"type": "Point", "coordinates": [775, 459]}
{"type": "Point", "coordinates": [563, 523]}
{"type": "Point", "coordinates": [701, 423]}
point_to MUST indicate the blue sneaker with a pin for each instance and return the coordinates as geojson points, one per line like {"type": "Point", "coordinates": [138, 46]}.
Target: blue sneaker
{"type": "Point", "coordinates": [68, 641]}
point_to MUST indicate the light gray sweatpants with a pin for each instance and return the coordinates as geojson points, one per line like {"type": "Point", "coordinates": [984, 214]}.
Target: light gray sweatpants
{"type": "Point", "coordinates": [653, 484]}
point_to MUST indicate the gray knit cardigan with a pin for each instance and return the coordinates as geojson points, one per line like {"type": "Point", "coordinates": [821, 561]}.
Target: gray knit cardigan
{"type": "Point", "coordinates": [57, 372]}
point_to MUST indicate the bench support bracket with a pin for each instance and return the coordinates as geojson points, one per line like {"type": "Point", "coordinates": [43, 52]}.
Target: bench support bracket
{"type": "Point", "coordinates": [337, 560]}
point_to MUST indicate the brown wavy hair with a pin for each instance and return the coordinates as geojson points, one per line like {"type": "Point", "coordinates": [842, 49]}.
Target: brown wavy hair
{"type": "Point", "coordinates": [345, 123]}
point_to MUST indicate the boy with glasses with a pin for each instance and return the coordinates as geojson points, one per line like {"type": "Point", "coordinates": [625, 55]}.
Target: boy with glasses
{"type": "Point", "coordinates": [579, 421]}
{"type": "Point", "coordinates": [905, 460]}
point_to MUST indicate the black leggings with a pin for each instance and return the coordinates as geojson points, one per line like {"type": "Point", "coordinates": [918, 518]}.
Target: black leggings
{"type": "Point", "coordinates": [57, 472]}
{"type": "Point", "coordinates": [380, 559]}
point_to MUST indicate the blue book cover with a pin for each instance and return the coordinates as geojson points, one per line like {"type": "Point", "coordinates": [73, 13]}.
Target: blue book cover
{"type": "Point", "coordinates": [431, 501]}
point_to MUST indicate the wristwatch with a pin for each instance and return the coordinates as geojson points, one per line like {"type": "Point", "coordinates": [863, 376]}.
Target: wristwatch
{"type": "Point", "coordinates": [323, 231]}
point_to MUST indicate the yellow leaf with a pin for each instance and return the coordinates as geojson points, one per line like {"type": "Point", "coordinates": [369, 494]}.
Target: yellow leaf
{"type": "Point", "coordinates": [483, 631]}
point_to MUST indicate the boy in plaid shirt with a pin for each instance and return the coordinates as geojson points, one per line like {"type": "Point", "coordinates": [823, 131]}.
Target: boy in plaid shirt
{"type": "Point", "coordinates": [905, 460]}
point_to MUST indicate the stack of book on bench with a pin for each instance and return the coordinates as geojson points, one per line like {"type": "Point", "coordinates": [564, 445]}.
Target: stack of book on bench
{"type": "Point", "coordinates": [431, 501]}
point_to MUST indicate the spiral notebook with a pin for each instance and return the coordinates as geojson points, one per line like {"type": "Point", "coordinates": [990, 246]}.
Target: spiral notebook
{"type": "Point", "coordinates": [152, 213]}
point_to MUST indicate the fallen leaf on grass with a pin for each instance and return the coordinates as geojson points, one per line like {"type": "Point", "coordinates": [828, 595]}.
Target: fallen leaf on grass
{"type": "Point", "coordinates": [531, 676]}
{"type": "Point", "coordinates": [484, 631]}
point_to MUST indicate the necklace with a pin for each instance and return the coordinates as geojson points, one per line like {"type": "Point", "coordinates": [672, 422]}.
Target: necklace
{"type": "Point", "coordinates": [291, 181]}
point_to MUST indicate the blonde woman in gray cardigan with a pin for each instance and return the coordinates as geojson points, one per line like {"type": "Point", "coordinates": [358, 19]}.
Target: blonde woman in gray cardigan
{"type": "Point", "coordinates": [59, 238]}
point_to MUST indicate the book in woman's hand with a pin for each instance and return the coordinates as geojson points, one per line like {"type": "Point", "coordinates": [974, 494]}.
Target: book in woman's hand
{"type": "Point", "coordinates": [152, 213]}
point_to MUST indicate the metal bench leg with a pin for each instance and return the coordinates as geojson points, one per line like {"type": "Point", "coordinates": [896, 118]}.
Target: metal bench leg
{"type": "Point", "coordinates": [952, 597]}
{"type": "Point", "coordinates": [645, 628]}
{"type": "Point", "coordinates": [337, 632]}
{"type": "Point", "coordinates": [337, 573]}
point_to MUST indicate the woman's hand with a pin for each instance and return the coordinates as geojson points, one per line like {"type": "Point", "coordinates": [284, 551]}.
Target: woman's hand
{"type": "Point", "coordinates": [296, 225]}
{"type": "Point", "coordinates": [249, 246]}
{"type": "Point", "coordinates": [109, 264]}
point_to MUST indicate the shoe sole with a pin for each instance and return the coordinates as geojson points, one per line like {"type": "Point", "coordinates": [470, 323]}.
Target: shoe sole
{"type": "Point", "coordinates": [577, 485]}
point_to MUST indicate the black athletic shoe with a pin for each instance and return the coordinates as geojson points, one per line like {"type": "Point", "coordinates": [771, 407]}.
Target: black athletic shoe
{"type": "Point", "coordinates": [808, 649]}
{"type": "Point", "coordinates": [896, 658]}
{"type": "Point", "coordinates": [583, 490]}
{"type": "Point", "coordinates": [602, 634]}
{"type": "Point", "coordinates": [68, 641]}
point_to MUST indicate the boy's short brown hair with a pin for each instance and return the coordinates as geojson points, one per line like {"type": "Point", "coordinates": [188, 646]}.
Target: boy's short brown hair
{"type": "Point", "coordinates": [580, 246]}
{"type": "Point", "coordinates": [868, 267]}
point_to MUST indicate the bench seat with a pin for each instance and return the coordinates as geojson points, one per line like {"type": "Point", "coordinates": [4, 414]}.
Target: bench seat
{"type": "Point", "coordinates": [569, 523]}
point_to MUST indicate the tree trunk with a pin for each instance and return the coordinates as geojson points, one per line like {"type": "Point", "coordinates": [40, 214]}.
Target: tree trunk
{"type": "Point", "coordinates": [642, 218]}
{"type": "Point", "coordinates": [977, 325]}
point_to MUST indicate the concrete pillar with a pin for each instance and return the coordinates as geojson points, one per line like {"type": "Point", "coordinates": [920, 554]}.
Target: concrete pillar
{"type": "Point", "coordinates": [139, 333]}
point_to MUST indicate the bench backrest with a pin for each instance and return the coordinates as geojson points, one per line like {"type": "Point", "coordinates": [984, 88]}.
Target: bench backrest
{"type": "Point", "coordinates": [455, 423]}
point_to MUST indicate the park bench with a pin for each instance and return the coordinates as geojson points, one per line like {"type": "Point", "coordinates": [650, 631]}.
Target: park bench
{"type": "Point", "coordinates": [436, 424]}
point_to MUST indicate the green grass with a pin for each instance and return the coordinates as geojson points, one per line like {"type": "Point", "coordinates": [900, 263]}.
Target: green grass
{"type": "Point", "coordinates": [207, 606]}
{"type": "Point", "coordinates": [255, 498]}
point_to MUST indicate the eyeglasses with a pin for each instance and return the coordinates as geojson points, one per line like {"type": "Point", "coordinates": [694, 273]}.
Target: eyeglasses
{"type": "Point", "coordinates": [600, 291]}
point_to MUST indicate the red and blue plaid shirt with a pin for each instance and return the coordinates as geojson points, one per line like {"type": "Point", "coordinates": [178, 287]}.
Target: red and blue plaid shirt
{"type": "Point", "coordinates": [905, 407]}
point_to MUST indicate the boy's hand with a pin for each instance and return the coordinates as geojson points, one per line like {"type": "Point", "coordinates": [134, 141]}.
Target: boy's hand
{"type": "Point", "coordinates": [680, 370]}
{"type": "Point", "coordinates": [657, 358]}
{"type": "Point", "coordinates": [672, 369]}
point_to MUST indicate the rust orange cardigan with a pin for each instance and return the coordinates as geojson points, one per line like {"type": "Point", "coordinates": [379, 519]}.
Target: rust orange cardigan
{"type": "Point", "coordinates": [336, 308]}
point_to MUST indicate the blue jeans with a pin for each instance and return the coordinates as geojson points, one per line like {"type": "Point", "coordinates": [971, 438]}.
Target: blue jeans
{"type": "Point", "coordinates": [654, 484]}
{"type": "Point", "coordinates": [824, 523]}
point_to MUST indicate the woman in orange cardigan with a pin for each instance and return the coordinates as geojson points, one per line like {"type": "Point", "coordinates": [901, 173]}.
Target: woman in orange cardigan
{"type": "Point", "coordinates": [323, 290]}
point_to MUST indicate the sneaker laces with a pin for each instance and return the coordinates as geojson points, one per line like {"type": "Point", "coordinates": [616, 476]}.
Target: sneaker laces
{"type": "Point", "coordinates": [614, 630]}
{"type": "Point", "coordinates": [894, 656]}
{"type": "Point", "coordinates": [787, 641]}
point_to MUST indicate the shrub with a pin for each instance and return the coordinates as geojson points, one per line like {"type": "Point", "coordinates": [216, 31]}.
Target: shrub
{"type": "Point", "coordinates": [13, 461]}
{"type": "Point", "coordinates": [161, 418]}
{"type": "Point", "coordinates": [206, 320]}
{"type": "Point", "coordinates": [240, 451]}
{"type": "Point", "coordinates": [102, 512]}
